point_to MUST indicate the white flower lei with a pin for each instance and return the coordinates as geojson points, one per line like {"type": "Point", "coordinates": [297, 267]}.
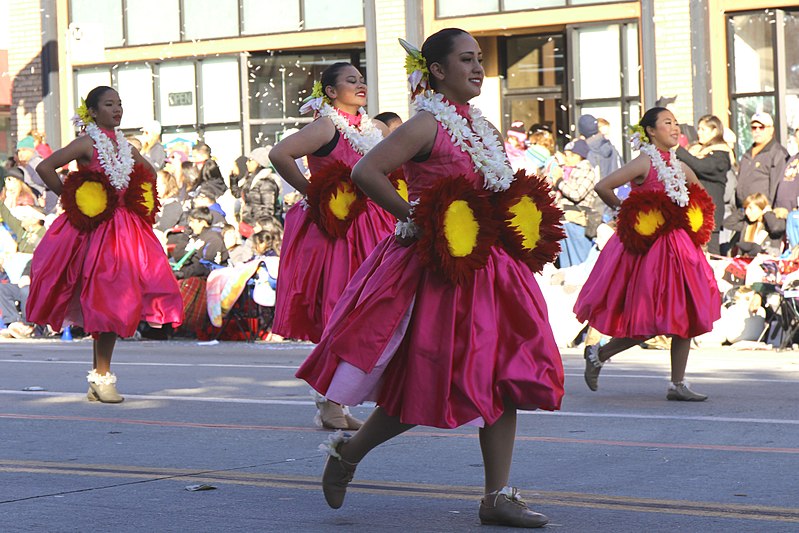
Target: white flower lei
{"type": "Point", "coordinates": [361, 139]}
{"type": "Point", "coordinates": [479, 141]}
{"type": "Point", "coordinates": [117, 161]}
{"type": "Point", "coordinates": [671, 176]}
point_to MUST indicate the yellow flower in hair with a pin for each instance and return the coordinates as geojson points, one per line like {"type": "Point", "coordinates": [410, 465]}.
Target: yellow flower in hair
{"type": "Point", "coordinates": [83, 112]}
{"type": "Point", "coordinates": [414, 63]}
{"type": "Point", "coordinates": [318, 90]}
{"type": "Point", "coordinates": [639, 130]}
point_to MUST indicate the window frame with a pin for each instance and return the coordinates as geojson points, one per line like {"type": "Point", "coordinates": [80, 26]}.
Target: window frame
{"type": "Point", "coordinates": [501, 8]}
{"type": "Point", "coordinates": [780, 92]}
{"type": "Point", "coordinates": [182, 21]}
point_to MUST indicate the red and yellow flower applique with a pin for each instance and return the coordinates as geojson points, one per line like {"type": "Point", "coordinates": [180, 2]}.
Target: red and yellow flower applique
{"type": "Point", "coordinates": [643, 217]}
{"type": "Point", "coordinates": [457, 228]}
{"type": "Point", "coordinates": [141, 196]}
{"type": "Point", "coordinates": [334, 200]}
{"type": "Point", "coordinates": [529, 221]}
{"type": "Point", "coordinates": [698, 217]}
{"type": "Point", "coordinates": [88, 199]}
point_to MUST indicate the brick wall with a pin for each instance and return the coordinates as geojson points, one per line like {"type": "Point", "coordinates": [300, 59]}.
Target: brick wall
{"type": "Point", "coordinates": [25, 67]}
{"type": "Point", "coordinates": [391, 80]}
{"type": "Point", "coordinates": [673, 55]}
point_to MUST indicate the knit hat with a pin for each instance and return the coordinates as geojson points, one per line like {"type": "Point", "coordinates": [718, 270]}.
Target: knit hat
{"type": "Point", "coordinates": [261, 156]}
{"type": "Point", "coordinates": [538, 155]}
{"type": "Point", "coordinates": [26, 142]}
{"type": "Point", "coordinates": [579, 147]}
{"type": "Point", "coordinates": [587, 126]}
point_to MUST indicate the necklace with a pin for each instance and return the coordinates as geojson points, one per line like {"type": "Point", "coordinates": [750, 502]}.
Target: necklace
{"type": "Point", "coordinates": [117, 161]}
{"type": "Point", "coordinates": [363, 138]}
{"type": "Point", "coordinates": [479, 140]}
{"type": "Point", "coordinates": [671, 176]}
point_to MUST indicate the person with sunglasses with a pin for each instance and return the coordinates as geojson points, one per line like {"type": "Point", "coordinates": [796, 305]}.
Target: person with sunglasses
{"type": "Point", "coordinates": [763, 165]}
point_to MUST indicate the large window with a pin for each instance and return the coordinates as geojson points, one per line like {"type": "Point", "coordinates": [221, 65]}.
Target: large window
{"type": "Point", "coordinates": [552, 79]}
{"type": "Point", "coordinates": [764, 76]}
{"type": "Point", "coordinates": [460, 8]}
{"type": "Point", "coordinates": [605, 66]}
{"type": "Point", "coordinates": [140, 22]}
{"type": "Point", "coordinates": [534, 91]}
{"type": "Point", "coordinates": [278, 83]}
{"type": "Point", "coordinates": [193, 100]}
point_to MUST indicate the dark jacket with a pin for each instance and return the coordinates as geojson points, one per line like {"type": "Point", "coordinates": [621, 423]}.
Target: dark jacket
{"type": "Point", "coordinates": [260, 196]}
{"type": "Point", "coordinates": [788, 189]}
{"type": "Point", "coordinates": [603, 155]}
{"type": "Point", "coordinates": [775, 227]}
{"type": "Point", "coordinates": [761, 173]}
{"type": "Point", "coordinates": [213, 251]}
{"type": "Point", "coordinates": [712, 173]}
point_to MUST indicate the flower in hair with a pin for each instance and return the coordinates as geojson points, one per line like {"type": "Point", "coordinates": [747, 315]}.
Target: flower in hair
{"type": "Point", "coordinates": [415, 67]}
{"type": "Point", "coordinates": [82, 116]}
{"type": "Point", "coordinates": [638, 136]}
{"type": "Point", "coordinates": [315, 100]}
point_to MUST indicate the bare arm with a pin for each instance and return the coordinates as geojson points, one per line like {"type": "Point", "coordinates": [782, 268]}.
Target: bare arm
{"type": "Point", "coordinates": [690, 175]}
{"type": "Point", "coordinates": [79, 150]}
{"type": "Point", "coordinates": [413, 138]}
{"type": "Point", "coordinates": [307, 141]}
{"type": "Point", "coordinates": [637, 168]}
{"type": "Point", "coordinates": [140, 159]}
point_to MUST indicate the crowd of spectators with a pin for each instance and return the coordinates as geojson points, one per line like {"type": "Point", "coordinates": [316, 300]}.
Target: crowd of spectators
{"type": "Point", "coordinates": [198, 234]}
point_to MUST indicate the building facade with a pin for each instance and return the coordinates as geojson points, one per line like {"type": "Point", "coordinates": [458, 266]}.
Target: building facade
{"type": "Point", "coordinates": [234, 72]}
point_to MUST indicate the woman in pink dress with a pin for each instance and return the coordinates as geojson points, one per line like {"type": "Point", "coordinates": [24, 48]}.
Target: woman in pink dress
{"type": "Point", "coordinates": [331, 232]}
{"type": "Point", "coordinates": [100, 266]}
{"type": "Point", "coordinates": [450, 338]}
{"type": "Point", "coordinates": [652, 278]}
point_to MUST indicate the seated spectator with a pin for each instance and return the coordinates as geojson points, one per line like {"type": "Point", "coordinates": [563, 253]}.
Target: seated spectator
{"type": "Point", "coordinates": [205, 199]}
{"type": "Point", "coordinates": [574, 187]}
{"type": "Point", "coordinates": [759, 230]}
{"type": "Point", "coordinates": [268, 239]}
{"type": "Point", "coordinates": [171, 210]}
{"type": "Point", "coordinates": [205, 245]}
{"type": "Point", "coordinates": [16, 191]}
{"type": "Point", "coordinates": [210, 177]}
{"type": "Point", "coordinates": [390, 119]}
{"type": "Point", "coordinates": [27, 224]}
{"type": "Point", "coordinates": [238, 252]}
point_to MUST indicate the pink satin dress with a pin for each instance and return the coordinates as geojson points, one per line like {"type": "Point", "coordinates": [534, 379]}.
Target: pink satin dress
{"type": "Point", "coordinates": [670, 290]}
{"type": "Point", "coordinates": [434, 353]}
{"type": "Point", "coordinates": [314, 267]}
{"type": "Point", "coordinates": [106, 280]}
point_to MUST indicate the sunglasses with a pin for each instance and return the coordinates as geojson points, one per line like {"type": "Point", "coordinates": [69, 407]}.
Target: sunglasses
{"type": "Point", "coordinates": [756, 127]}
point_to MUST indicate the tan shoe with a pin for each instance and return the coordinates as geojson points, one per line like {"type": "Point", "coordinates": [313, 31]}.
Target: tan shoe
{"type": "Point", "coordinates": [103, 388]}
{"type": "Point", "coordinates": [338, 473]}
{"type": "Point", "coordinates": [680, 392]}
{"type": "Point", "coordinates": [331, 415]}
{"type": "Point", "coordinates": [505, 507]}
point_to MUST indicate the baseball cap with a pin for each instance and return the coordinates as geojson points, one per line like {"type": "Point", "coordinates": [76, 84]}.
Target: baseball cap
{"type": "Point", "coordinates": [763, 118]}
{"type": "Point", "coordinates": [579, 147]}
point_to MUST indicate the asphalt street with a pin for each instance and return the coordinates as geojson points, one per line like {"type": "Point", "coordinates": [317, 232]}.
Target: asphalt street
{"type": "Point", "coordinates": [232, 416]}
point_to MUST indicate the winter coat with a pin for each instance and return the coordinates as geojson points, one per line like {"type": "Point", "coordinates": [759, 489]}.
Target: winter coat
{"type": "Point", "coordinates": [762, 173]}
{"type": "Point", "coordinates": [260, 197]}
{"type": "Point", "coordinates": [603, 155]}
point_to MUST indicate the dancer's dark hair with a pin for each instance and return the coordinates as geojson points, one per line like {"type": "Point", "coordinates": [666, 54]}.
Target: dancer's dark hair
{"type": "Point", "coordinates": [438, 46]}
{"type": "Point", "coordinates": [93, 98]}
{"type": "Point", "coordinates": [651, 117]}
{"type": "Point", "coordinates": [330, 74]}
